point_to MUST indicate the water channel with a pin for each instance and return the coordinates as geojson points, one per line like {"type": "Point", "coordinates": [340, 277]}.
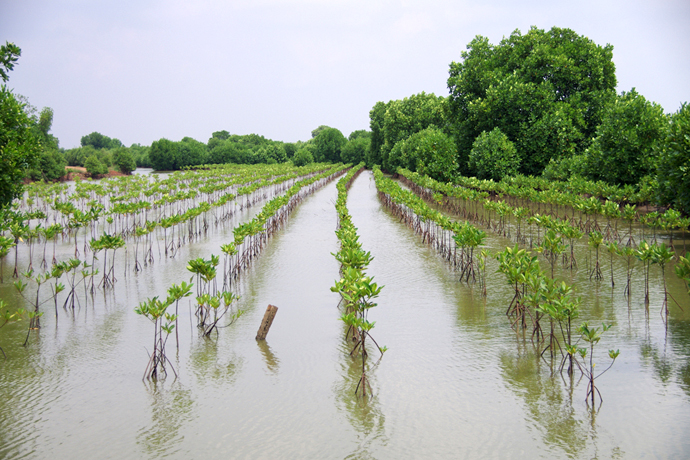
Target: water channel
{"type": "Point", "coordinates": [456, 382]}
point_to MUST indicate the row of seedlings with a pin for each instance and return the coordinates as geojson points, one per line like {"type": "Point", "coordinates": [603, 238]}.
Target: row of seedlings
{"type": "Point", "coordinates": [356, 289]}
{"type": "Point", "coordinates": [212, 304]}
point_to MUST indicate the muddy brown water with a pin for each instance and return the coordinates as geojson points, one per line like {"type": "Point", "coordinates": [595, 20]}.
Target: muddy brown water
{"type": "Point", "coordinates": [456, 382]}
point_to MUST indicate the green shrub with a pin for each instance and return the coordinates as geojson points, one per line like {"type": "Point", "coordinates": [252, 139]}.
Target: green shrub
{"type": "Point", "coordinates": [94, 167]}
{"type": "Point", "coordinates": [124, 161]}
{"type": "Point", "coordinates": [673, 173]}
{"type": "Point", "coordinates": [565, 168]}
{"type": "Point", "coordinates": [493, 156]}
{"type": "Point", "coordinates": [302, 157]}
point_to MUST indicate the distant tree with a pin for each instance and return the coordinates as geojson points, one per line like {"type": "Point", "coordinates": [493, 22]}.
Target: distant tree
{"type": "Point", "coordinates": [140, 154]}
{"type": "Point", "coordinates": [329, 142]}
{"type": "Point", "coordinates": [359, 133]}
{"type": "Point", "coordinates": [51, 162]}
{"type": "Point", "coordinates": [290, 149]}
{"type": "Point", "coordinates": [222, 135]}
{"type": "Point", "coordinates": [434, 153]}
{"type": "Point", "coordinates": [302, 157]}
{"type": "Point", "coordinates": [77, 156]}
{"type": "Point", "coordinates": [402, 118]}
{"type": "Point", "coordinates": [190, 153]}
{"type": "Point", "coordinates": [217, 138]}
{"type": "Point", "coordinates": [45, 120]}
{"type": "Point", "coordinates": [94, 167]}
{"type": "Point", "coordinates": [377, 116]}
{"type": "Point", "coordinates": [231, 152]}
{"type": "Point", "coordinates": [493, 156]}
{"type": "Point", "coordinates": [429, 151]}
{"type": "Point", "coordinates": [124, 161]}
{"type": "Point", "coordinates": [317, 131]}
{"type": "Point", "coordinates": [674, 163]}
{"type": "Point", "coordinates": [276, 151]}
{"type": "Point", "coordinates": [630, 133]}
{"type": "Point", "coordinates": [99, 141]}
{"type": "Point", "coordinates": [355, 150]}
{"type": "Point", "coordinates": [49, 167]}
{"type": "Point", "coordinates": [163, 155]}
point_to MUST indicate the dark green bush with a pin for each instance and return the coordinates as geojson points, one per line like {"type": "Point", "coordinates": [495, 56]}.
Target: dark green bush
{"type": "Point", "coordinates": [493, 156]}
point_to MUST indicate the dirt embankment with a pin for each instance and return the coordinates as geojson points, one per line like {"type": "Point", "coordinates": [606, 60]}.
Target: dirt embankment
{"type": "Point", "coordinates": [74, 172]}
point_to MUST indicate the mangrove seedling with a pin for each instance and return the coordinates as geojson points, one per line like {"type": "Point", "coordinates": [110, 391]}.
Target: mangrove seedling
{"type": "Point", "coordinates": [155, 310]}
{"type": "Point", "coordinates": [661, 256]}
{"type": "Point", "coordinates": [595, 240]}
{"type": "Point", "coordinates": [592, 337]}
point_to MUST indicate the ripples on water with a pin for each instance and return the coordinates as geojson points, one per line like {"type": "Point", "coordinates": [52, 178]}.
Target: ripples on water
{"type": "Point", "coordinates": [456, 381]}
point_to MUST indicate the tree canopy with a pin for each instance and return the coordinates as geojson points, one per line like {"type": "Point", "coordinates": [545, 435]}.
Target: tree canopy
{"type": "Point", "coordinates": [624, 149]}
{"type": "Point", "coordinates": [18, 145]}
{"type": "Point", "coordinates": [99, 141]}
{"type": "Point", "coordinates": [546, 90]}
{"type": "Point", "coordinates": [329, 143]}
{"type": "Point", "coordinates": [9, 54]}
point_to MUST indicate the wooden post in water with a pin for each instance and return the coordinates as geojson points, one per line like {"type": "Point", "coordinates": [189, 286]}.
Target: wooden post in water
{"type": "Point", "coordinates": [271, 311]}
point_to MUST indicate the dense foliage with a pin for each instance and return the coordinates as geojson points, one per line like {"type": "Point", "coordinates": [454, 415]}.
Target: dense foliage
{"type": "Point", "coordinates": [396, 121]}
{"type": "Point", "coordinates": [493, 156]}
{"type": "Point", "coordinates": [546, 90]}
{"type": "Point", "coordinates": [428, 151]}
{"type": "Point", "coordinates": [18, 146]}
{"type": "Point", "coordinates": [627, 139]}
{"type": "Point", "coordinates": [674, 162]}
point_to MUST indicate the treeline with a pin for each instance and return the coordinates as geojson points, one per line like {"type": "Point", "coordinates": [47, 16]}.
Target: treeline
{"type": "Point", "coordinates": [543, 103]}
{"type": "Point", "coordinates": [326, 145]}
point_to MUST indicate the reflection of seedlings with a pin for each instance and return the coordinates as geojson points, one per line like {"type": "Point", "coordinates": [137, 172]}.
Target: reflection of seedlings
{"type": "Point", "coordinates": [683, 271]}
{"type": "Point", "coordinates": [644, 253]}
{"type": "Point", "coordinates": [595, 240]}
{"type": "Point", "coordinates": [629, 253]}
{"type": "Point", "coordinates": [8, 317]}
{"type": "Point", "coordinates": [613, 248]}
{"type": "Point", "coordinates": [662, 255]}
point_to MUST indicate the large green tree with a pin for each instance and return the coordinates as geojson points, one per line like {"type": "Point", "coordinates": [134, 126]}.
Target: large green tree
{"type": "Point", "coordinates": [18, 145]}
{"type": "Point", "coordinates": [429, 151]}
{"type": "Point", "coordinates": [377, 116]}
{"type": "Point", "coordinates": [410, 115]}
{"type": "Point", "coordinates": [328, 145]}
{"type": "Point", "coordinates": [50, 162]}
{"type": "Point", "coordinates": [674, 162]}
{"type": "Point", "coordinates": [493, 156]}
{"type": "Point", "coordinates": [545, 90]}
{"type": "Point", "coordinates": [355, 150]}
{"type": "Point", "coordinates": [163, 155]}
{"type": "Point", "coordinates": [624, 149]}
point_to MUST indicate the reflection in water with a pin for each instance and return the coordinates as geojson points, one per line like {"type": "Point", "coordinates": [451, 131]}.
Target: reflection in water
{"type": "Point", "coordinates": [272, 363]}
{"type": "Point", "coordinates": [672, 361]}
{"type": "Point", "coordinates": [206, 363]}
{"type": "Point", "coordinates": [170, 409]}
{"type": "Point", "coordinates": [364, 414]}
{"type": "Point", "coordinates": [548, 402]}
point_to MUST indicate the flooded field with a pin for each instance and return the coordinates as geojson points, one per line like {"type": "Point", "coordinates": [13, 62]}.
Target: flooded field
{"type": "Point", "coordinates": [456, 382]}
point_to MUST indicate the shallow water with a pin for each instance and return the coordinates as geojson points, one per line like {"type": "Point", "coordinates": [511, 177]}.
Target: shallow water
{"type": "Point", "coordinates": [456, 381]}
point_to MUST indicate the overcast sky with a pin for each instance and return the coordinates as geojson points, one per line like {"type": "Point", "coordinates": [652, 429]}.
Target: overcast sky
{"type": "Point", "coordinates": [142, 70]}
